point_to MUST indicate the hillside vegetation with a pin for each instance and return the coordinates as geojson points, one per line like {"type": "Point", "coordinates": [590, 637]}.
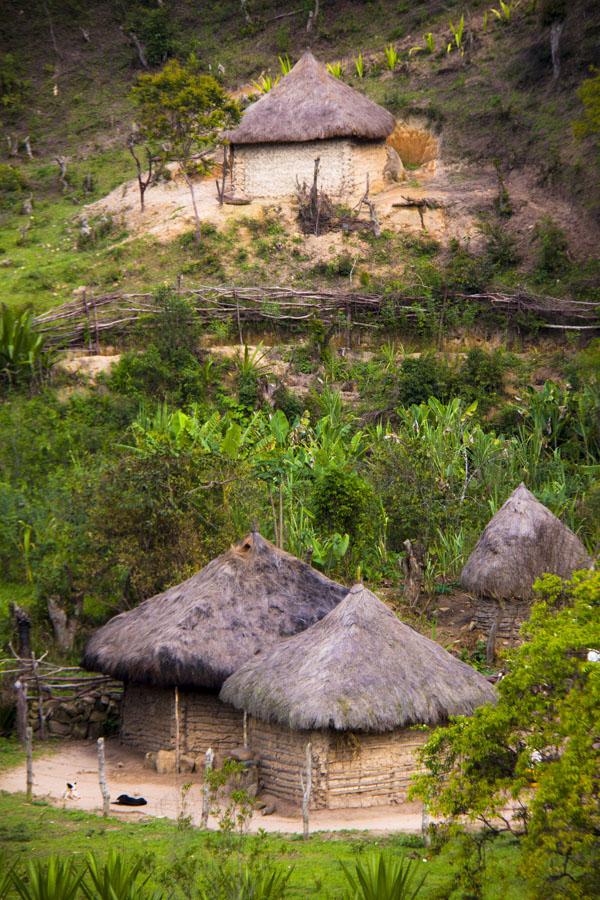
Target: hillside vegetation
{"type": "Point", "coordinates": [469, 363]}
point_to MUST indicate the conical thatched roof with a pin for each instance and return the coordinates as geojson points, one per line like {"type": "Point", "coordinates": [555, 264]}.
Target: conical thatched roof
{"type": "Point", "coordinates": [521, 542]}
{"type": "Point", "coordinates": [309, 104]}
{"type": "Point", "coordinates": [199, 632]}
{"type": "Point", "coordinates": [359, 668]}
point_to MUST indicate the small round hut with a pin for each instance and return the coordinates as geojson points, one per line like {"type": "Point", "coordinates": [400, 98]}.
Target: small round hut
{"type": "Point", "coordinates": [521, 542]}
{"type": "Point", "coordinates": [309, 114]}
{"type": "Point", "coordinates": [175, 650]}
{"type": "Point", "coordinates": [361, 687]}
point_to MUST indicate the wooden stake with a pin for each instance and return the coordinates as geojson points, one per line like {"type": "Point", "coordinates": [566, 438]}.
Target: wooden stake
{"type": "Point", "coordinates": [22, 721]}
{"type": "Point", "coordinates": [208, 764]}
{"type": "Point", "coordinates": [102, 779]}
{"type": "Point", "coordinates": [245, 730]}
{"type": "Point", "coordinates": [29, 752]}
{"type": "Point", "coordinates": [306, 789]}
{"type": "Point", "coordinates": [177, 733]}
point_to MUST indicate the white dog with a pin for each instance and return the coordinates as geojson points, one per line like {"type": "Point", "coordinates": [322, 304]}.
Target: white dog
{"type": "Point", "coordinates": [71, 792]}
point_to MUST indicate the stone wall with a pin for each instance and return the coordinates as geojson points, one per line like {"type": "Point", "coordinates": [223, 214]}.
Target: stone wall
{"type": "Point", "coordinates": [349, 770]}
{"type": "Point", "coordinates": [148, 720]}
{"type": "Point", "coordinates": [509, 617]}
{"type": "Point", "coordinates": [92, 715]}
{"type": "Point", "coordinates": [271, 170]}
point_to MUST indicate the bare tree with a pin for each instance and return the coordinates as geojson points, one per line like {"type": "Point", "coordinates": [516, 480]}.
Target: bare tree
{"type": "Point", "coordinates": [148, 167]}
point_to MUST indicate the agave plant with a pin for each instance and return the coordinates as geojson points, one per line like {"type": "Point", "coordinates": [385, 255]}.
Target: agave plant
{"type": "Point", "coordinates": [117, 878]}
{"type": "Point", "coordinates": [359, 65]}
{"type": "Point", "coordinates": [266, 83]}
{"type": "Point", "coordinates": [336, 69]}
{"type": "Point", "coordinates": [20, 347]}
{"type": "Point", "coordinates": [383, 877]}
{"type": "Point", "coordinates": [55, 880]}
{"type": "Point", "coordinates": [504, 13]}
{"type": "Point", "coordinates": [391, 57]}
{"type": "Point", "coordinates": [285, 64]}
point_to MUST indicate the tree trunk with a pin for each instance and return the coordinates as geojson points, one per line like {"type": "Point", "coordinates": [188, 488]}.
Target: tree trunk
{"type": "Point", "coordinates": [64, 630]}
{"type": "Point", "coordinates": [190, 185]}
{"type": "Point", "coordinates": [102, 779]}
{"type": "Point", "coordinates": [555, 33]}
{"type": "Point", "coordinates": [413, 575]}
{"type": "Point", "coordinates": [23, 623]}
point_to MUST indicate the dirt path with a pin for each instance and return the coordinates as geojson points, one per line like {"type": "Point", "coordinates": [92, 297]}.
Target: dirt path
{"type": "Point", "coordinates": [77, 761]}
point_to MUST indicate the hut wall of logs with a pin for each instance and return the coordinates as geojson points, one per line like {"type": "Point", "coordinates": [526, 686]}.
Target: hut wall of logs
{"type": "Point", "coordinates": [149, 720]}
{"type": "Point", "coordinates": [348, 769]}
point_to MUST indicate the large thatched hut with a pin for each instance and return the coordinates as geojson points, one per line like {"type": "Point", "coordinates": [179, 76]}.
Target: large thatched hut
{"type": "Point", "coordinates": [521, 542]}
{"type": "Point", "coordinates": [309, 114]}
{"type": "Point", "coordinates": [361, 687]}
{"type": "Point", "coordinates": [175, 650]}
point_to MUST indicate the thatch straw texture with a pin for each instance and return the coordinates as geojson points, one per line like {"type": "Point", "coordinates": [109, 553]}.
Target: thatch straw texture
{"type": "Point", "coordinates": [310, 104]}
{"type": "Point", "coordinates": [358, 669]}
{"type": "Point", "coordinates": [521, 542]}
{"type": "Point", "coordinates": [199, 632]}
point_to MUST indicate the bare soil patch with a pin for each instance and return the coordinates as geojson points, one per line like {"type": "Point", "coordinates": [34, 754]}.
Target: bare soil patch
{"type": "Point", "coordinates": [77, 761]}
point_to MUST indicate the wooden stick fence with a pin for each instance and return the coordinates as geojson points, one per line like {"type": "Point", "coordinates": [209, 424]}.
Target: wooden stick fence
{"type": "Point", "coordinates": [82, 321]}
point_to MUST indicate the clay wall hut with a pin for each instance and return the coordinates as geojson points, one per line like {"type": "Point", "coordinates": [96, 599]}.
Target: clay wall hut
{"type": "Point", "coordinates": [521, 542]}
{"type": "Point", "coordinates": [355, 685]}
{"type": "Point", "coordinates": [309, 114]}
{"type": "Point", "coordinates": [190, 638]}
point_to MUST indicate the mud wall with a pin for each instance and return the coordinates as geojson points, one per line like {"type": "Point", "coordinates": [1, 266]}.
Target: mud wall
{"type": "Point", "coordinates": [271, 170]}
{"type": "Point", "coordinates": [349, 770]}
{"type": "Point", "coordinates": [148, 720]}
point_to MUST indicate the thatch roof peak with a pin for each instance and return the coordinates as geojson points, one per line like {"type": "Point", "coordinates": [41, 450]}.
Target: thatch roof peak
{"type": "Point", "coordinates": [197, 633]}
{"type": "Point", "coordinates": [361, 669]}
{"type": "Point", "coordinates": [521, 542]}
{"type": "Point", "coordinates": [309, 104]}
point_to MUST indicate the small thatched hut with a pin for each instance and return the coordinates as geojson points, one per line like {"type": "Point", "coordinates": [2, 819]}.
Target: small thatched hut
{"type": "Point", "coordinates": [309, 114]}
{"type": "Point", "coordinates": [185, 642]}
{"type": "Point", "coordinates": [354, 684]}
{"type": "Point", "coordinates": [521, 542]}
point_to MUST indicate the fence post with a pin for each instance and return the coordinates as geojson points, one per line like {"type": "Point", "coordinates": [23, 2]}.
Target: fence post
{"type": "Point", "coordinates": [177, 733]}
{"type": "Point", "coordinates": [102, 779]}
{"type": "Point", "coordinates": [87, 316]}
{"type": "Point", "coordinates": [29, 752]}
{"type": "Point", "coordinates": [306, 790]}
{"type": "Point", "coordinates": [22, 715]}
{"type": "Point", "coordinates": [208, 764]}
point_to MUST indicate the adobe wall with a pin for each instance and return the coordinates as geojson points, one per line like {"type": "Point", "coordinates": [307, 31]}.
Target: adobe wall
{"type": "Point", "coordinates": [371, 769]}
{"type": "Point", "coordinates": [148, 720]}
{"type": "Point", "coordinates": [349, 770]}
{"type": "Point", "coordinates": [271, 170]}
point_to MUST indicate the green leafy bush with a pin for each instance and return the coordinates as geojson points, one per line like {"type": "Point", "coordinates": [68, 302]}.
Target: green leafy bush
{"type": "Point", "coordinates": [552, 249]}
{"type": "Point", "coordinates": [422, 377]}
{"type": "Point", "coordinates": [536, 745]}
{"type": "Point", "coordinates": [14, 89]}
{"type": "Point", "coordinates": [480, 377]}
{"type": "Point", "coordinates": [21, 348]}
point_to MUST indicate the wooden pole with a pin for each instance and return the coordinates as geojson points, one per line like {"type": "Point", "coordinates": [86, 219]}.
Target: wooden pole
{"type": "Point", "coordinates": [95, 314]}
{"type": "Point", "coordinates": [177, 733]}
{"type": "Point", "coordinates": [102, 778]}
{"type": "Point", "coordinates": [208, 764]}
{"type": "Point", "coordinates": [21, 691]}
{"type": "Point", "coordinates": [40, 698]}
{"type": "Point", "coordinates": [306, 790]}
{"type": "Point", "coordinates": [245, 731]}
{"type": "Point", "coordinates": [29, 752]}
{"type": "Point", "coordinates": [425, 833]}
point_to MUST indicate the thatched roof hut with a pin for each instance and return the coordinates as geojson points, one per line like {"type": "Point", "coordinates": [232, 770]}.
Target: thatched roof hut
{"type": "Point", "coordinates": [309, 114]}
{"type": "Point", "coordinates": [521, 542]}
{"type": "Point", "coordinates": [309, 104]}
{"type": "Point", "coordinates": [358, 669]}
{"type": "Point", "coordinates": [197, 633]}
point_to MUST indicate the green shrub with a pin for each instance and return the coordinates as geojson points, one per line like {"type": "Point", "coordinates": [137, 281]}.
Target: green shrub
{"type": "Point", "coordinates": [14, 90]}
{"type": "Point", "coordinates": [500, 245]}
{"type": "Point", "coordinates": [288, 402]}
{"type": "Point", "coordinates": [589, 94]}
{"type": "Point", "coordinates": [464, 271]}
{"type": "Point", "coordinates": [422, 377]}
{"type": "Point", "coordinates": [480, 377]}
{"type": "Point", "coordinates": [342, 502]}
{"type": "Point", "coordinates": [552, 249]}
{"type": "Point", "coordinates": [156, 32]}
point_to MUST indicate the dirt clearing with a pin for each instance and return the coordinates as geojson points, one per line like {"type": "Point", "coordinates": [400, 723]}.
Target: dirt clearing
{"type": "Point", "coordinates": [125, 772]}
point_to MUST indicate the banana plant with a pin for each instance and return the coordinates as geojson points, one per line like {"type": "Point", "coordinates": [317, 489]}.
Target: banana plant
{"type": "Point", "coordinates": [21, 348]}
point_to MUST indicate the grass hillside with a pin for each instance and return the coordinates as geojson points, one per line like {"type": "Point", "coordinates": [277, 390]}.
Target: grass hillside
{"type": "Point", "coordinates": [492, 102]}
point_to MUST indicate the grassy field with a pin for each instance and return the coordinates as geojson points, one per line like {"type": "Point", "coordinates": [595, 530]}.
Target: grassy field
{"type": "Point", "coordinates": [37, 830]}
